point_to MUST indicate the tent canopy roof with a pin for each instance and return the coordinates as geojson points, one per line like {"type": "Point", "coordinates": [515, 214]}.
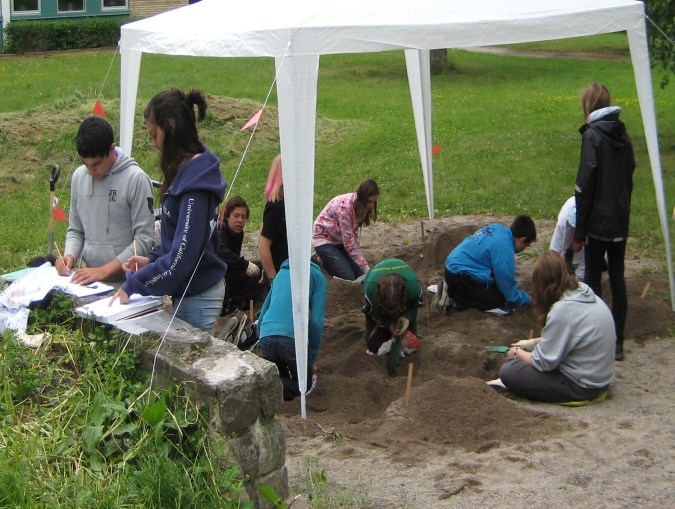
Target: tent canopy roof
{"type": "Point", "coordinates": [317, 27]}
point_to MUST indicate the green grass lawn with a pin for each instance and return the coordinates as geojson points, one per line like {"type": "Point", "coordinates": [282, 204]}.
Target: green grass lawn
{"type": "Point", "coordinates": [507, 127]}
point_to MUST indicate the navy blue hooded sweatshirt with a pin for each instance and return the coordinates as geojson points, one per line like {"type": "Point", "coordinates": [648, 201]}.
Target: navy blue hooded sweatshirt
{"type": "Point", "coordinates": [189, 217]}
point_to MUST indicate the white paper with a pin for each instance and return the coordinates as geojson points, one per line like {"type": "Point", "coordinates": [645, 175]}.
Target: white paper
{"type": "Point", "coordinates": [13, 319]}
{"type": "Point", "coordinates": [64, 283]}
{"type": "Point", "coordinates": [102, 311]}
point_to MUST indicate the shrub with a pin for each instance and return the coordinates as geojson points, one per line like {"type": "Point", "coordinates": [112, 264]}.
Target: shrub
{"type": "Point", "coordinates": [26, 36]}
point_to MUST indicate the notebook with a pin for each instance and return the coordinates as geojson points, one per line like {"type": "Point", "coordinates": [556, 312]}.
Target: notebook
{"type": "Point", "coordinates": [102, 311]}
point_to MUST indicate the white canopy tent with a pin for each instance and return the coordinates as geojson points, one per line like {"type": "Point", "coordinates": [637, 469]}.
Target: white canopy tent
{"type": "Point", "coordinates": [296, 34]}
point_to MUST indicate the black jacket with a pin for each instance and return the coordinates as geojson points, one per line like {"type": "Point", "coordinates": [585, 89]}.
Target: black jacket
{"type": "Point", "coordinates": [605, 178]}
{"type": "Point", "coordinates": [229, 249]}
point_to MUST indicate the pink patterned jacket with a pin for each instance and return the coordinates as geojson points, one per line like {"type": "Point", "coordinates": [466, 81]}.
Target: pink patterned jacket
{"type": "Point", "coordinates": [337, 224]}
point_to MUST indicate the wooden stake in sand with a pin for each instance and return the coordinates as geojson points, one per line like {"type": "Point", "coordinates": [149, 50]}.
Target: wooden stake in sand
{"type": "Point", "coordinates": [408, 386]}
{"type": "Point", "coordinates": [422, 227]}
{"type": "Point", "coordinates": [250, 309]}
{"type": "Point", "coordinates": [645, 290]}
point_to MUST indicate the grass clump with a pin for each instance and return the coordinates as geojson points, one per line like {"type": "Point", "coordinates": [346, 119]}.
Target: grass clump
{"type": "Point", "coordinates": [80, 428]}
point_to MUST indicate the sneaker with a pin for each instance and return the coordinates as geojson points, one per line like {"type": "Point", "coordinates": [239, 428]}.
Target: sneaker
{"type": "Point", "coordinates": [241, 331]}
{"type": "Point", "coordinates": [442, 300]}
{"type": "Point", "coordinates": [247, 338]}
{"type": "Point", "coordinates": [500, 311]}
{"type": "Point", "coordinates": [228, 330]}
{"type": "Point", "coordinates": [496, 384]}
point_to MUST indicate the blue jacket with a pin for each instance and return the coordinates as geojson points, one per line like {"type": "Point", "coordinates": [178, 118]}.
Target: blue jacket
{"type": "Point", "coordinates": [488, 257]}
{"type": "Point", "coordinates": [276, 315]}
{"type": "Point", "coordinates": [189, 217]}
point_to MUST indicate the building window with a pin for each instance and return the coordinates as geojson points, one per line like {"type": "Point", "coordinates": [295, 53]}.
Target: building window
{"type": "Point", "coordinates": [71, 5]}
{"type": "Point", "coordinates": [114, 4]}
{"type": "Point", "coordinates": [26, 6]}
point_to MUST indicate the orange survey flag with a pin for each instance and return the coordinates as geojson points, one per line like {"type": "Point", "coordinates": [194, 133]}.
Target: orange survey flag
{"type": "Point", "coordinates": [59, 214]}
{"type": "Point", "coordinates": [98, 109]}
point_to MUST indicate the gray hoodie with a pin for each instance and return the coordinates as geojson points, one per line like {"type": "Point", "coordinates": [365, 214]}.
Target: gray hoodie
{"type": "Point", "coordinates": [108, 215]}
{"type": "Point", "coordinates": [579, 339]}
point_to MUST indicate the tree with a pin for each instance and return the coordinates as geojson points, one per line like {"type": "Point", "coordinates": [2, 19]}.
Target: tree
{"type": "Point", "coordinates": [662, 50]}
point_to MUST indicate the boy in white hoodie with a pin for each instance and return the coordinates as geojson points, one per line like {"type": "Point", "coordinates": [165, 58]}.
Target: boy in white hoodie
{"type": "Point", "coordinates": [111, 208]}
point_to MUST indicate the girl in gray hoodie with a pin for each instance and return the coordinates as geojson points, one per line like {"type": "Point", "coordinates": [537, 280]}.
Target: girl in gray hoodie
{"type": "Point", "coordinates": [573, 360]}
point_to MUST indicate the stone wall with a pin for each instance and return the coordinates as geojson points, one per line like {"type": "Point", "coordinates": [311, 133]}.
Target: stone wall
{"type": "Point", "coordinates": [243, 392]}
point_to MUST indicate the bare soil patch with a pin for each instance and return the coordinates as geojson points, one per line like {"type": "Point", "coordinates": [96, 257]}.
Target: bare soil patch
{"type": "Point", "coordinates": [459, 443]}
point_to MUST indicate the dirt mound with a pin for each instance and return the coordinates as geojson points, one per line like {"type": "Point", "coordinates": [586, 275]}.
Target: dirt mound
{"type": "Point", "coordinates": [450, 404]}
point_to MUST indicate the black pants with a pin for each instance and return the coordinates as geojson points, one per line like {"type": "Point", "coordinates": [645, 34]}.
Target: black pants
{"type": "Point", "coordinates": [240, 289]}
{"type": "Point", "coordinates": [468, 293]}
{"type": "Point", "coordinates": [375, 339]}
{"type": "Point", "coordinates": [594, 257]}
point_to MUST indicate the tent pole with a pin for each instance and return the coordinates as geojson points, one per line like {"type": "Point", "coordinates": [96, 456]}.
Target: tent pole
{"type": "Point", "coordinates": [637, 42]}
{"type": "Point", "coordinates": [296, 91]}
{"type": "Point", "coordinates": [419, 81]}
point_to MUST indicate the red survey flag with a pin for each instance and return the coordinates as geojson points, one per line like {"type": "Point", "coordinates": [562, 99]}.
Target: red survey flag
{"type": "Point", "coordinates": [254, 120]}
{"type": "Point", "coordinates": [59, 214]}
{"type": "Point", "coordinates": [436, 150]}
{"type": "Point", "coordinates": [98, 109]}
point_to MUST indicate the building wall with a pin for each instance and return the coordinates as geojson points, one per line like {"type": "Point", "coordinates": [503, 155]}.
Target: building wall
{"type": "Point", "coordinates": [144, 8]}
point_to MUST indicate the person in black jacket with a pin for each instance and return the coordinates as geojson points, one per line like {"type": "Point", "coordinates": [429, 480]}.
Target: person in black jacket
{"type": "Point", "coordinates": [603, 190]}
{"type": "Point", "coordinates": [242, 279]}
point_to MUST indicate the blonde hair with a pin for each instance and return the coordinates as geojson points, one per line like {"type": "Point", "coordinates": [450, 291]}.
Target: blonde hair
{"type": "Point", "coordinates": [594, 97]}
{"type": "Point", "coordinates": [550, 278]}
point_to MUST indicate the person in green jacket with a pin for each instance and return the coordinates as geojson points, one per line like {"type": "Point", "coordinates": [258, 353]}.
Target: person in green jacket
{"type": "Point", "coordinates": [393, 293]}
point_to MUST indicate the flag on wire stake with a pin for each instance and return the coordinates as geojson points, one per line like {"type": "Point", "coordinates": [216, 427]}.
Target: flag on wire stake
{"type": "Point", "coordinates": [59, 214]}
{"type": "Point", "coordinates": [57, 211]}
{"type": "Point", "coordinates": [436, 150]}
{"type": "Point", "coordinates": [254, 120]}
{"type": "Point", "coordinates": [98, 109]}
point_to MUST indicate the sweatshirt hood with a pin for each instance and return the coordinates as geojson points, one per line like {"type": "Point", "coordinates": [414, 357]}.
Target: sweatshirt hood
{"type": "Point", "coordinates": [606, 123]}
{"type": "Point", "coordinates": [200, 174]}
{"type": "Point", "coordinates": [600, 114]}
{"type": "Point", "coordinates": [582, 294]}
{"type": "Point", "coordinates": [122, 163]}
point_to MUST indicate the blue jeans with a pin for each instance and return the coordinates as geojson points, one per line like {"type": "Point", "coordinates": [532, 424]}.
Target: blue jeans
{"type": "Point", "coordinates": [281, 351]}
{"type": "Point", "coordinates": [201, 310]}
{"type": "Point", "coordinates": [337, 261]}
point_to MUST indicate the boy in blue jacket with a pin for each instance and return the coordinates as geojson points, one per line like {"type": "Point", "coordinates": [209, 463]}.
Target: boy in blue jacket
{"type": "Point", "coordinates": [481, 271]}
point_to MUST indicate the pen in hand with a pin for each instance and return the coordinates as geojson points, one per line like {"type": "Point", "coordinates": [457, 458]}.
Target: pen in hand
{"type": "Point", "coordinates": [58, 251]}
{"type": "Point", "coordinates": [135, 254]}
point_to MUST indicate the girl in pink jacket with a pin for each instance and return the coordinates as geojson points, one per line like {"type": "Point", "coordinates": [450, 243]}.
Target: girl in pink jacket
{"type": "Point", "coordinates": [335, 233]}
